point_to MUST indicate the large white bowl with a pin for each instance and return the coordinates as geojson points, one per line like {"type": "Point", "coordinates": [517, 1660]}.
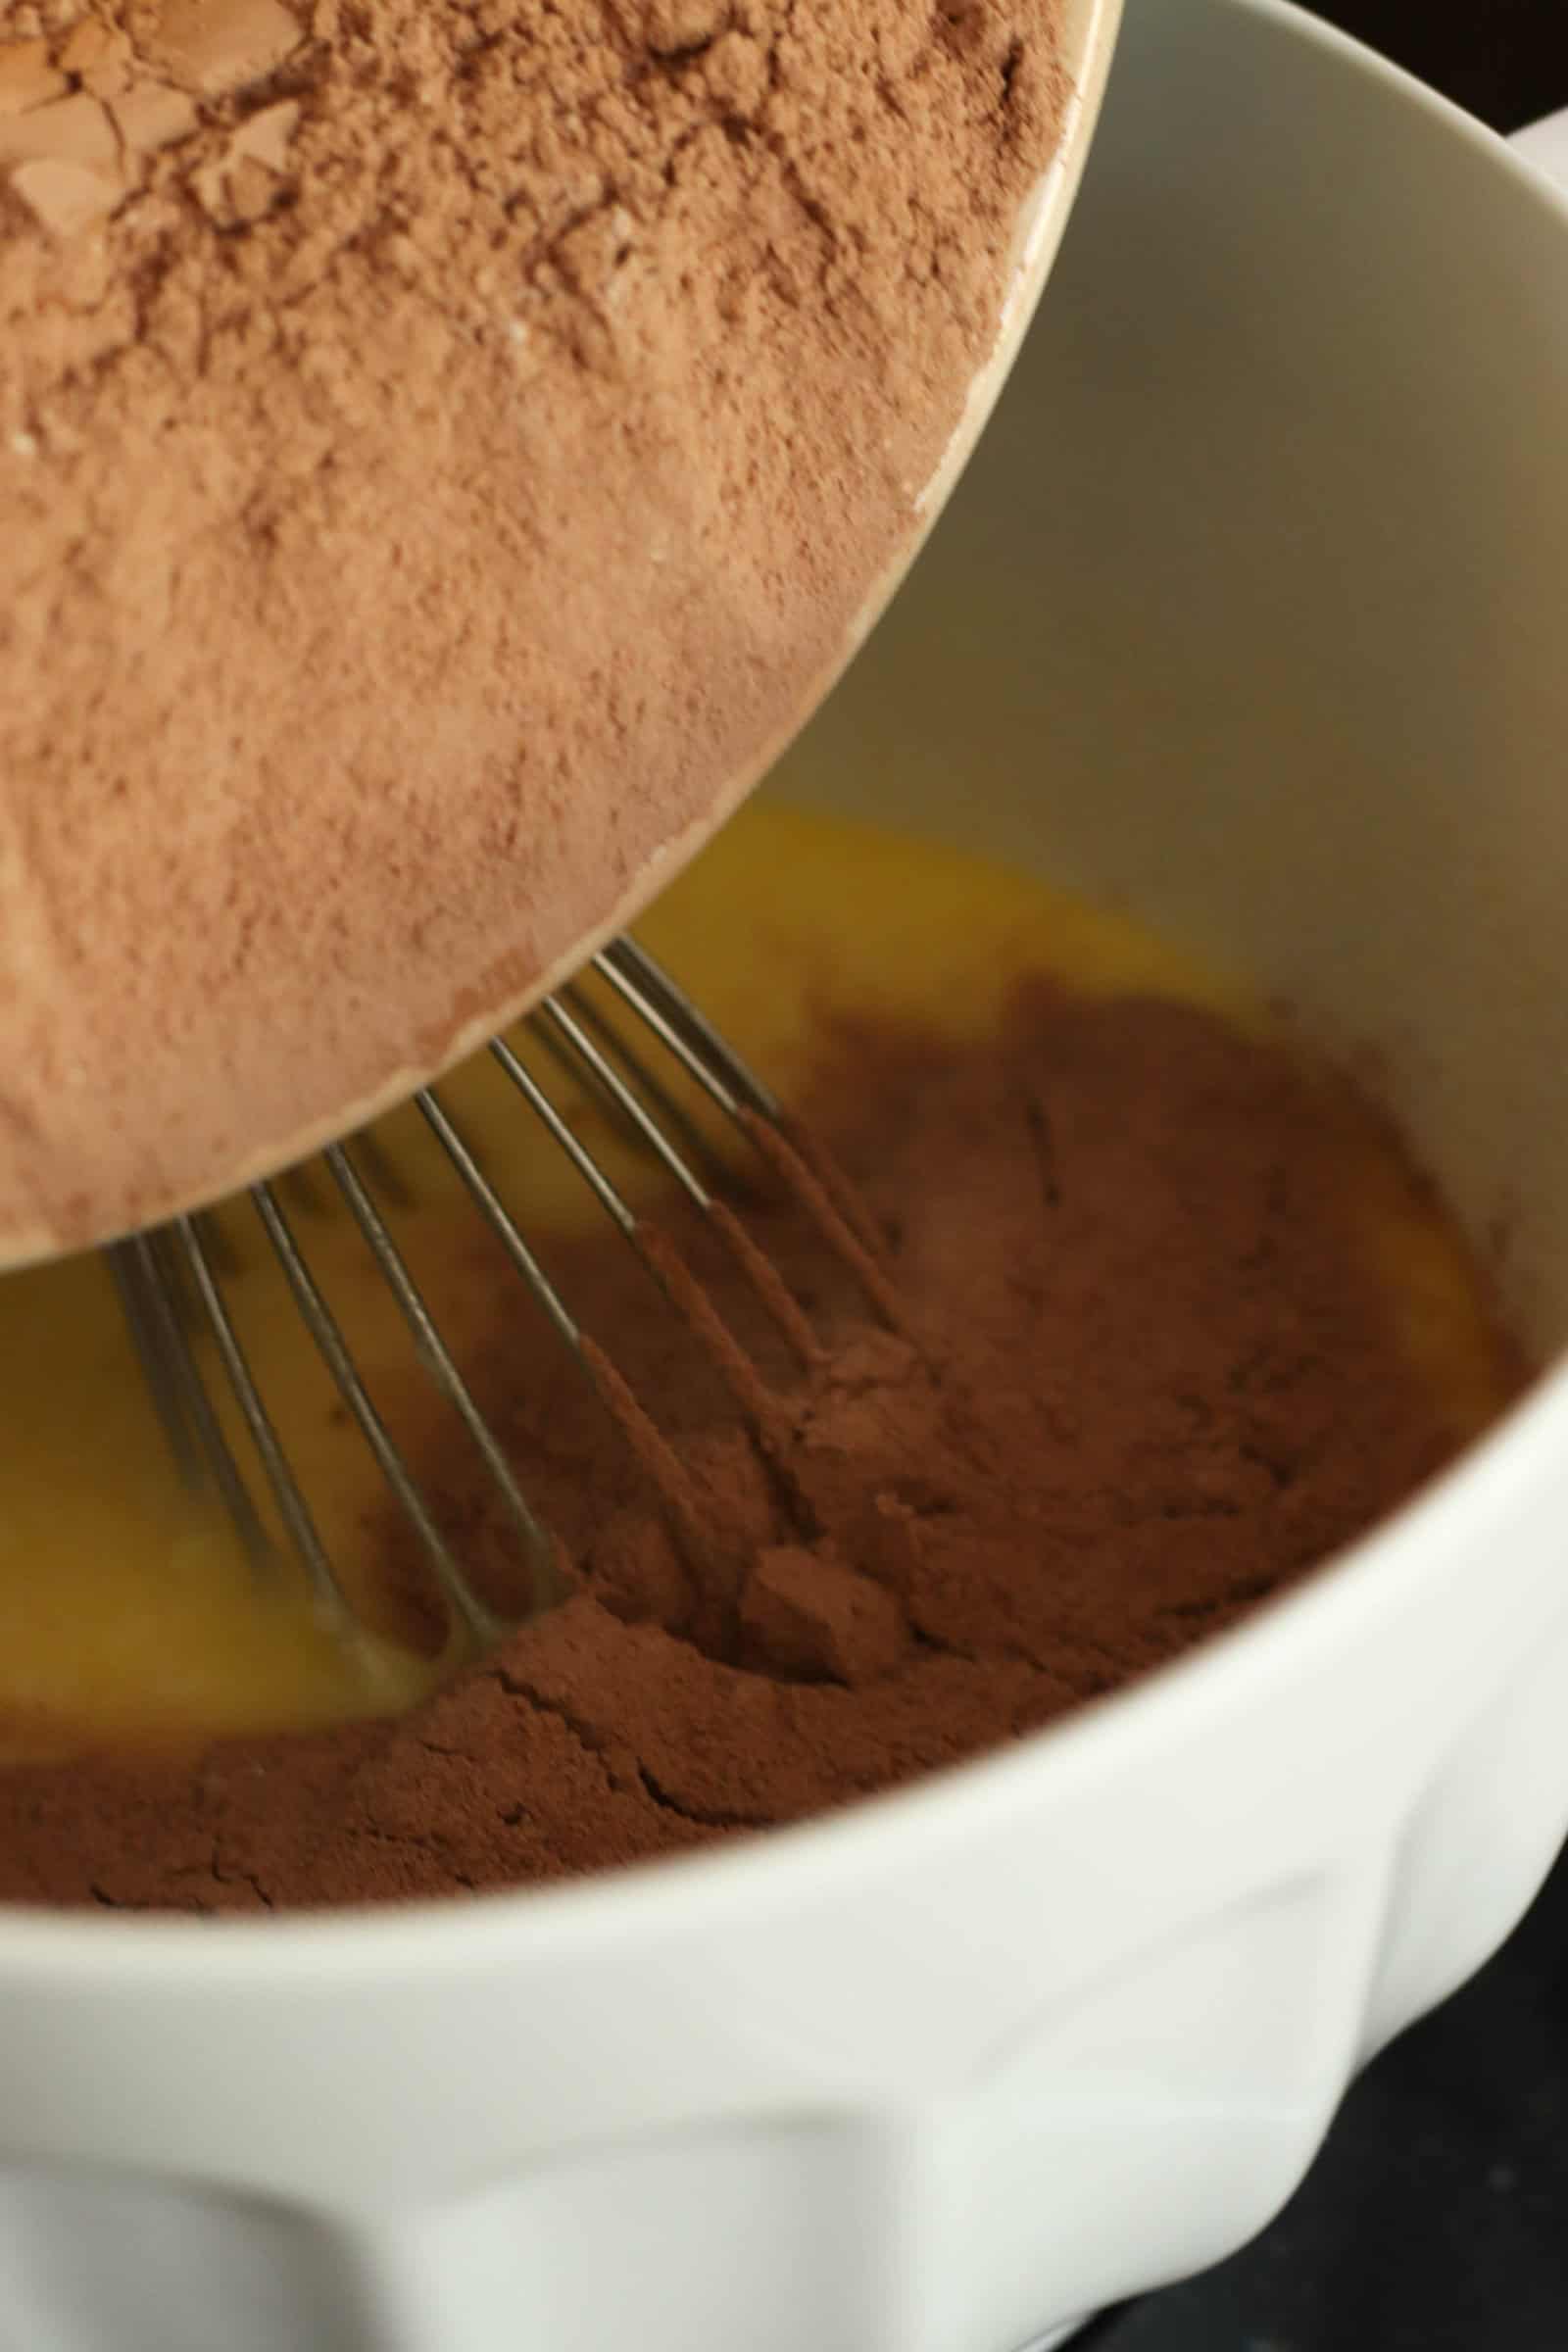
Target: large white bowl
{"type": "Point", "coordinates": [1251, 612]}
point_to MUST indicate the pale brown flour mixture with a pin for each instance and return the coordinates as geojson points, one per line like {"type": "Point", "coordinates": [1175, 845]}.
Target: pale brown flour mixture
{"type": "Point", "coordinates": [441, 442]}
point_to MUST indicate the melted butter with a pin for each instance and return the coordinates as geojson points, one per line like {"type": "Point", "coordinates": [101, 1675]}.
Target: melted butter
{"type": "Point", "coordinates": [127, 1611]}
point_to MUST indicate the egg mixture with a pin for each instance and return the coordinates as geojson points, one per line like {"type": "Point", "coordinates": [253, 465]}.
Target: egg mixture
{"type": "Point", "coordinates": [126, 1609]}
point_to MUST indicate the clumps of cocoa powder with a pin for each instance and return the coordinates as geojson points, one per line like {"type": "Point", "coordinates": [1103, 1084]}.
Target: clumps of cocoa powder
{"type": "Point", "coordinates": [809, 1616]}
{"type": "Point", "coordinates": [83, 114]}
{"type": "Point", "coordinates": [1153, 1373]}
{"type": "Point", "coordinates": [443, 448]}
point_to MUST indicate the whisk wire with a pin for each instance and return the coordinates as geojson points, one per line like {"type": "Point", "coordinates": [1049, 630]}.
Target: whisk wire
{"type": "Point", "coordinates": [172, 1278]}
{"type": "Point", "coordinates": [435, 1354]}
{"type": "Point", "coordinates": [138, 1297]}
{"type": "Point", "coordinates": [684, 1027]}
{"type": "Point", "coordinates": [327, 1335]}
{"type": "Point", "coordinates": [676, 1117]}
{"type": "Point", "coordinates": [149, 1279]}
{"type": "Point", "coordinates": [627, 983]}
{"type": "Point", "coordinates": [646, 1130]}
{"type": "Point", "coordinates": [293, 1510]}
{"type": "Point", "coordinates": [497, 1216]}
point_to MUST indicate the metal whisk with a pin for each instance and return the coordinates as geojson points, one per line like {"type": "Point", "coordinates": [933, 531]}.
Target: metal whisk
{"type": "Point", "coordinates": [170, 1280]}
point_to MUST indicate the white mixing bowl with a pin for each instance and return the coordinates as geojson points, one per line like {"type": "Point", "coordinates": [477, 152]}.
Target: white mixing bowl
{"type": "Point", "coordinates": [1252, 613]}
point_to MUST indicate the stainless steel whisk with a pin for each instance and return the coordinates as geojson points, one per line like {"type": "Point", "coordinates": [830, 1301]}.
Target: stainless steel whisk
{"type": "Point", "coordinates": [171, 1283]}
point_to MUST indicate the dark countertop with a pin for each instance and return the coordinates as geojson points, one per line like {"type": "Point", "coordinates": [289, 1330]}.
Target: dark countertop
{"type": "Point", "coordinates": [1437, 2218]}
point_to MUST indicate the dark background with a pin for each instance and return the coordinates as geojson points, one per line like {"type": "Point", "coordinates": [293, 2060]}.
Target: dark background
{"type": "Point", "coordinates": [1437, 2218]}
{"type": "Point", "coordinates": [1505, 59]}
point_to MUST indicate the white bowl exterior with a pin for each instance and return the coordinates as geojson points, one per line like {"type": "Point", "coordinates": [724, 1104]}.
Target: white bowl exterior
{"type": "Point", "coordinates": [1261, 570]}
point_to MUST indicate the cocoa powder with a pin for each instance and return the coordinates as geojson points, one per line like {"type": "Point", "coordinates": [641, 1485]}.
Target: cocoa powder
{"type": "Point", "coordinates": [443, 446]}
{"type": "Point", "coordinates": [1152, 1374]}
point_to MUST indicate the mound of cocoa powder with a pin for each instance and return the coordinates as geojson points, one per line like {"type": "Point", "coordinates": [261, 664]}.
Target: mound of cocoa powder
{"type": "Point", "coordinates": [445, 445]}
{"type": "Point", "coordinates": [1151, 1376]}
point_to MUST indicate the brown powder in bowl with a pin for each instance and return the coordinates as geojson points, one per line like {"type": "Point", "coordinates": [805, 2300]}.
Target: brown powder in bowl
{"type": "Point", "coordinates": [442, 447]}
{"type": "Point", "coordinates": [1157, 1374]}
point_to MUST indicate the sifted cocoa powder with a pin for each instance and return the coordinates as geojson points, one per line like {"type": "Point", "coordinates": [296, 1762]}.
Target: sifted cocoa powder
{"type": "Point", "coordinates": [443, 444]}
{"type": "Point", "coordinates": [1151, 1373]}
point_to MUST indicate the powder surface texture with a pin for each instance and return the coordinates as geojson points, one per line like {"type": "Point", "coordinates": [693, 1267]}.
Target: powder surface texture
{"type": "Point", "coordinates": [443, 446]}
{"type": "Point", "coordinates": [1152, 1374]}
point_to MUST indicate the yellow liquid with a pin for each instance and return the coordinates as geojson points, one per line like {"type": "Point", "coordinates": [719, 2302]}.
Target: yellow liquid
{"type": "Point", "coordinates": [126, 1610]}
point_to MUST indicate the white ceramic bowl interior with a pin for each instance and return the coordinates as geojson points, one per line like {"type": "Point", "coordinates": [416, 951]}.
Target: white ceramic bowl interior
{"type": "Point", "coordinates": [1250, 613]}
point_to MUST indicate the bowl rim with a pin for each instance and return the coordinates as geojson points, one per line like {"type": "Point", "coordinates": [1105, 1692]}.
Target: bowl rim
{"type": "Point", "coordinates": [444, 1937]}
